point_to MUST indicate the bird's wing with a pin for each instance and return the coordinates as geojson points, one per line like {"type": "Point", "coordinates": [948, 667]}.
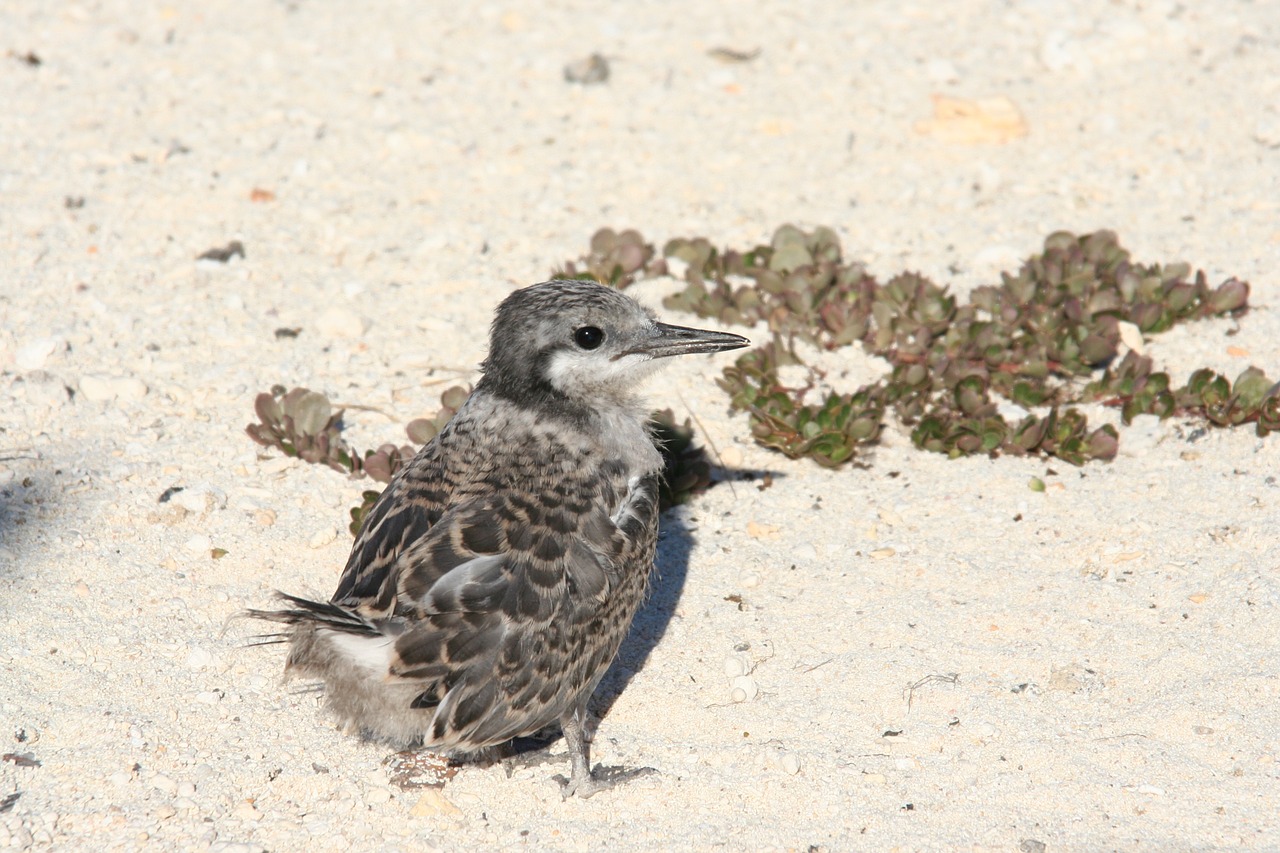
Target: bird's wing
{"type": "Point", "coordinates": [402, 515]}
{"type": "Point", "coordinates": [487, 592]}
{"type": "Point", "coordinates": [508, 554]}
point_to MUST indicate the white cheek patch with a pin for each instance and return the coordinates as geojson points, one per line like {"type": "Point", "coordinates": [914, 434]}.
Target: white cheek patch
{"type": "Point", "coordinates": [573, 372]}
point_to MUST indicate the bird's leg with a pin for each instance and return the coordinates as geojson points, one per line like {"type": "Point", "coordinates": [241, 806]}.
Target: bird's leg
{"type": "Point", "coordinates": [583, 782]}
{"type": "Point", "coordinates": [580, 781]}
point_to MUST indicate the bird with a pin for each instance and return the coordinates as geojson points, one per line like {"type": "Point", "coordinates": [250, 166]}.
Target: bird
{"type": "Point", "coordinates": [495, 578]}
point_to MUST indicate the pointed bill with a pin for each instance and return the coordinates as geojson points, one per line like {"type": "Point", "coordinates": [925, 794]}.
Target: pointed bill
{"type": "Point", "coordinates": [671, 340]}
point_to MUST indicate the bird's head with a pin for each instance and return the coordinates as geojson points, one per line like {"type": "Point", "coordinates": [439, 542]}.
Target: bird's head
{"type": "Point", "coordinates": [580, 344]}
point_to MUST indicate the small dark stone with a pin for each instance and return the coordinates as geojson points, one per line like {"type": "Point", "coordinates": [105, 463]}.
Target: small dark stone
{"type": "Point", "coordinates": [169, 493]}
{"type": "Point", "coordinates": [590, 71]}
{"type": "Point", "coordinates": [224, 254]}
{"type": "Point", "coordinates": [23, 759]}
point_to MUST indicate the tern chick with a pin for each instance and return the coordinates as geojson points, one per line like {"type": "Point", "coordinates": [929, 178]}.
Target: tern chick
{"type": "Point", "coordinates": [495, 578]}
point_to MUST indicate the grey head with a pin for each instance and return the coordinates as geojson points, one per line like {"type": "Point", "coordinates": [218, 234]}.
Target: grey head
{"type": "Point", "coordinates": [572, 346]}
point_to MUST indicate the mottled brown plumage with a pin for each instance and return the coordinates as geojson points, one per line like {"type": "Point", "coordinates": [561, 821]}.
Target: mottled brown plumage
{"type": "Point", "coordinates": [496, 576]}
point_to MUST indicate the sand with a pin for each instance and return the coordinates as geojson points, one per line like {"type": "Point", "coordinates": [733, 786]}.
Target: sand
{"type": "Point", "coordinates": [940, 656]}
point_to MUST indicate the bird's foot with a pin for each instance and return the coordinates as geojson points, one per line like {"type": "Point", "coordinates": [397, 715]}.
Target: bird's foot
{"type": "Point", "coordinates": [600, 779]}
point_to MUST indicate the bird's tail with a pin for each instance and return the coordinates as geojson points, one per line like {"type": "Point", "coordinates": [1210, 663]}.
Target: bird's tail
{"type": "Point", "coordinates": [303, 612]}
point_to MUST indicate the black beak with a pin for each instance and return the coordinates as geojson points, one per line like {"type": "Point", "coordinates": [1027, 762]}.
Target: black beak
{"type": "Point", "coordinates": [678, 340]}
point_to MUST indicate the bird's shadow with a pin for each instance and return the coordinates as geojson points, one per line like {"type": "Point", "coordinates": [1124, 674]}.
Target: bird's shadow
{"type": "Point", "coordinates": [675, 543]}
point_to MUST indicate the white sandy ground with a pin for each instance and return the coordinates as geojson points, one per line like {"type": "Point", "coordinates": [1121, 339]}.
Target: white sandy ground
{"type": "Point", "coordinates": [1118, 682]}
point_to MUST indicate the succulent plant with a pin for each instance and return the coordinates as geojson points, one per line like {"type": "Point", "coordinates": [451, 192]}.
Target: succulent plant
{"type": "Point", "coordinates": [1031, 339]}
{"type": "Point", "coordinates": [422, 430]}
{"type": "Point", "coordinates": [828, 433]}
{"type": "Point", "coordinates": [301, 423]}
{"type": "Point", "coordinates": [359, 513]}
{"type": "Point", "coordinates": [615, 259]}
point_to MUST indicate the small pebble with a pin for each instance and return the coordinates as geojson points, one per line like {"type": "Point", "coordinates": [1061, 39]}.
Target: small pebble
{"type": "Point", "coordinates": [768, 757]}
{"type": "Point", "coordinates": [804, 553]}
{"type": "Point", "coordinates": [277, 464]}
{"type": "Point", "coordinates": [1266, 130]}
{"type": "Point", "coordinates": [235, 846]}
{"type": "Point", "coordinates": [245, 811]}
{"type": "Point", "coordinates": [198, 544]}
{"type": "Point", "coordinates": [983, 731]}
{"type": "Point", "coordinates": [432, 803]}
{"type": "Point", "coordinates": [735, 665]}
{"type": "Point", "coordinates": [996, 257]}
{"type": "Point", "coordinates": [731, 457]}
{"type": "Point", "coordinates": [592, 70]}
{"type": "Point", "coordinates": [888, 516]}
{"type": "Point", "coordinates": [164, 783]}
{"type": "Point", "coordinates": [750, 580]}
{"type": "Point", "coordinates": [199, 499]}
{"type": "Point", "coordinates": [1060, 51]}
{"type": "Point", "coordinates": [101, 389]}
{"type": "Point", "coordinates": [186, 789]}
{"type": "Point", "coordinates": [941, 71]}
{"type": "Point", "coordinates": [790, 764]}
{"type": "Point", "coordinates": [338, 322]}
{"type": "Point", "coordinates": [744, 688]}
{"type": "Point", "coordinates": [1131, 336]}
{"type": "Point", "coordinates": [322, 537]}
{"type": "Point", "coordinates": [33, 354]}
{"type": "Point", "coordinates": [377, 797]}
{"type": "Point", "coordinates": [165, 812]}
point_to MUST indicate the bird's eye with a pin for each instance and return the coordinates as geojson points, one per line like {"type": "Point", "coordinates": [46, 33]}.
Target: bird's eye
{"type": "Point", "coordinates": [588, 337]}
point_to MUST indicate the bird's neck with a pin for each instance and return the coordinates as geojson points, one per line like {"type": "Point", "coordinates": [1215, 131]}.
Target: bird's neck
{"type": "Point", "coordinates": [616, 424]}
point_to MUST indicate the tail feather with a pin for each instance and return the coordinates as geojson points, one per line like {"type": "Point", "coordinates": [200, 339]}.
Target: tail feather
{"type": "Point", "coordinates": [317, 613]}
{"type": "Point", "coordinates": [266, 639]}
